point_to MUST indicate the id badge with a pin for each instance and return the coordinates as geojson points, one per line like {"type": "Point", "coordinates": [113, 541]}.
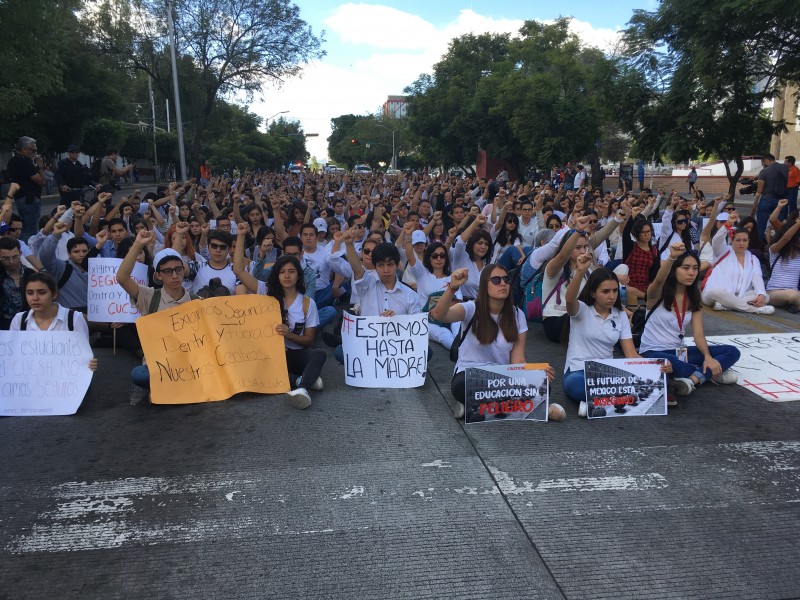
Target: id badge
{"type": "Point", "coordinates": [682, 352]}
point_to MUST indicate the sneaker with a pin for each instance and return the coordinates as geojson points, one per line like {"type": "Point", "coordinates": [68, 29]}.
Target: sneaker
{"type": "Point", "coordinates": [583, 409]}
{"type": "Point", "coordinates": [316, 386]}
{"type": "Point", "coordinates": [727, 377]}
{"type": "Point", "coordinates": [331, 340]}
{"type": "Point", "coordinates": [718, 306]}
{"type": "Point", "coordinates": [137, 394]}
{"type": "Point", "coordinates": [556, 412]}
{"type": "Point", "coordinates": [765, 310]}
{"type": "Point", "coordinates": [683, 386]}
{"type": "Point", "coordinates": [792, 309]}
{"type": "Point", "coordinates": [458, 411]}
{"type": "Point", "coordinates": [671, 399]}
{"type": "Point", "coordinates": [299, 398]}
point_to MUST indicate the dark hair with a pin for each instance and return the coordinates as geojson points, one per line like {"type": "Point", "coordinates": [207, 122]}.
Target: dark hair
{"type": "Point", "coordinates": [790, 159]}
{"type": "Point", "coordinates": [44, 278]}
{"type": "Point", "coordinates": [485, 327]}
{"type": "Point", "coordinates": [126, 244]}
{"type": "Point", "coordinates": [9, 243]}
{"type": "Point", "coordinates": [755, 241]}
{"type": "Point", "coordinates": [291, 220]}
{"type": "Point", "coordinates": [76, 241]}
{"type": "Point", "coordinates": [593, 282]}
{"type": "Point", "coordinates": [552, 217]}
{"type": "Point", "coordinates": [274, 287]}
{"type": "Point", "coordinates": [430, 249]}
{"type": "Point", "coordinates": [670, 288]}
{"type": "Point", "coordinates": [264, 232]}
{"type": "Point", "coordinates": [638, 224]}
{"type": "Point", "coordinates": [352, 219]}
{"type": "Point", "coordinates": [385, 251]}
{"type": "Point", "coordinates": [293, 241]}
{"type": "Point", "coordinates": [478, 235]}
{"type": "Point", "coordinates": [790, 248]}
{"type": "Point", "coordinates": [505, 237]}
{"type": "Point", "coordinates": [305, 226]}
{"type": "Point", "coordinates": [116, 221]}
{"type": "Point", "coordinates": [686, 236]}
{"type": "Point", "coordinates": [221, 236]}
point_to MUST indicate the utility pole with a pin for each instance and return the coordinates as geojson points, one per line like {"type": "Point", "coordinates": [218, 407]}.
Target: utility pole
{"type": "Point", "coordinates": [153, 115]}
{"type": "Point", "coordinates": [178, 117]}
{"type": "Point", "coordinates": [166, 100]}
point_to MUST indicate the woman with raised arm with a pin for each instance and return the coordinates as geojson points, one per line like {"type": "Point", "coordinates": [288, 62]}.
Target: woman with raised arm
{"type": "Point", "coordinates": [784, 256]}
{"type": "Point", "coordinates": [673, 304]}
{"type": "Point", "coordinates": [472, 252]}
{"type": "Point", "coordinates": [495, 329]}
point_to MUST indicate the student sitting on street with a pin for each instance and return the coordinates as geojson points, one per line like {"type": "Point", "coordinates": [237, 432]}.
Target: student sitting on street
{"type": "Point", "coordinates": [169, 271]}
{"type": "Point", "coordinates": [597, 322]}
{"type": "Point", "coordinates": [673, 302]}
{"type": "Point", "coordinates": [45, 314]}
{"type": "Point", "coordinates": [784, 257]}
{"type": "Point", "coordinates": [495, 329]}
{"type": "Point", "coordinates": [219, 245]}
{"type": "Point", "coordinates": [71, 275]}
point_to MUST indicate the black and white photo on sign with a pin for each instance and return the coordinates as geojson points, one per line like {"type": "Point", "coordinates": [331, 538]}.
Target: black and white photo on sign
{"type": "Point", "coordinates": [625, 387]}
{"type": "Point", "coordinates": [506, 393]}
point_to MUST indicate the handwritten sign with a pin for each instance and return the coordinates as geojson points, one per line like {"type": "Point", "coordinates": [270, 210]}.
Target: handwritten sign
{"type": "Point", "coordinates": [107, 302]}
{"type": "Point", "coordinates": [506, 393]}
{"type": "Point", "coordinates": [625, 387]}
{"type": "Point", "coordinates": [385, 352]}
{"type": "Point", "coordinates": [43, 373]}
{"type": "Point", "coordinates": [209, 350]}
{"type": "Point", "coordinates": [769, 365]}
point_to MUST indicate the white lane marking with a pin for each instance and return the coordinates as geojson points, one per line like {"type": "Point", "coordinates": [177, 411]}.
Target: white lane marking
{"type": "Point", "coordinates": [229, 497]}
{"type": "Point", "coordinates": [631, 483]}
{"type": "Point", "coordinates": [438, 463]}
{"type": "Point", "coordinates": [356, 491]}
{"type": "Point", "coordinates": [80, 507]}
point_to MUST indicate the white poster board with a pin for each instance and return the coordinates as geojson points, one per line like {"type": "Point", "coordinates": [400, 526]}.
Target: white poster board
{"type": "Point", "coordinates": [625, 387]}
{"type": "Point", "coordinates": [43, 373]}
{"type": "Point", "coordinates": [385, 352]}
{"type": "Point", "coordinates": [107, 302]}
{"type": "Point", "coordinates": [769, 365]}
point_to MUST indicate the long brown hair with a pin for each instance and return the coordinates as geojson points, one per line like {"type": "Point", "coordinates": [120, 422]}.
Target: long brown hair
{"type": "Point", "coordinates": [485, 327]}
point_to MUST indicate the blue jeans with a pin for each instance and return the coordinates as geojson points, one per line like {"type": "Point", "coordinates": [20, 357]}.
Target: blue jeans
{"type": "Point", "coordinates": [327, 315]}
{"type": "Point", "coordinates": [765, 207]}
{"type": "Point", "coordinates": [141, 376]}
{"type": "Point", "coordinates": [324, 296]}
{"type": "Point", "coordinates": [511, 256]}
{"type": "Point", "coordinates": [791, 196]}
{"type": "Point", "coordinates": [725, 355]}
{"type": "Point", "coordinates": [30, 212]}
{"type": "Point", "coordinates": [575, 385]}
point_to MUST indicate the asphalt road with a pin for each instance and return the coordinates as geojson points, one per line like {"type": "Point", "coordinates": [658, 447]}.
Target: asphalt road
{"type": "Point", "coordinates": [382, 494]}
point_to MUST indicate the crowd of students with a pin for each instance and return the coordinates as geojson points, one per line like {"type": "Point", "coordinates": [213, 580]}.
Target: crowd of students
{"type": "Point", "coordinates": [382, 246]}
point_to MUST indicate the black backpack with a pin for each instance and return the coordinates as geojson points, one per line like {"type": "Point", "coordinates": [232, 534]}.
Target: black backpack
{"type": "Point", "coordinates": [459, 340]}
{"type": "Point", "coordinates": [23, 326]}
{"type": "Point", "coordinates": [213, 289]}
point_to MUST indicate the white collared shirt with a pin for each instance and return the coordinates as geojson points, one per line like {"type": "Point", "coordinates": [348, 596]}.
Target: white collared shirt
{"type": "Point", "coordinates": [60, 323]}
{"type": "Point", "coordinates": [375, 298]}
{"type": "Point", "coordinates": [592, 337]}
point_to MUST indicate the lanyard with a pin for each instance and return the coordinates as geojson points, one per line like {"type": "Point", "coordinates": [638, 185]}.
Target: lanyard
{"type": "Point", "coordinates": [680, 316]}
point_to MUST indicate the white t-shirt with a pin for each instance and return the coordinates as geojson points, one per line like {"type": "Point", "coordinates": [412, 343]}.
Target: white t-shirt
{"type": "Point", "coordinates": [298, 322]}
{"type": "Point", "coordinates": [60, 323]}
{"type": "Point", "coordinates": [661, 331]}
{"type": "Point", "coordinates": [557, 304]}
{"type": "Point", "coordinates": [319, 260]}
{"type": "Point", "coordinates": [593, 337]}
{"type": "Point", "coordinates": [472, 353]}
{"type": "Point", "coordinates": [207, 273]}
{"type": "Point", "coordinates": [428, 283]}
{"type": "Point", "coordinates": [460, 259]}
{"type": "Point", "coordinates": [785, 273]}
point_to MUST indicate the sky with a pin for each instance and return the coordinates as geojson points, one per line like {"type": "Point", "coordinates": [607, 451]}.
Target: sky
{"type": "Point", "coordinates": [376, 49]}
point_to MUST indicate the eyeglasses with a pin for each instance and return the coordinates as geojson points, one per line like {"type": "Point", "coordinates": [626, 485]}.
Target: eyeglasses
{"type": "Point", "coordinates": [681, 222]}
{"type": "Point", "coordinates": [438, 255]}
{"type": "Point", "coordinates": [366, 251]}
{"type": "Point", "coordinates": [498, 279]}
{"type": "Point", "coordinates": [593, 222]}
{"type": "Point", "coordinates": [218, 246]}
{"type": "Point", "coordinates": [171, 272]}
{"type": "Point", "coordinates": [357, 226]}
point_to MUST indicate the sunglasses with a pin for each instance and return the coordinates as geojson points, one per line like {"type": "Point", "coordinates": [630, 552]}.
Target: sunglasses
{"type": "Point", "coordinates": [366, 251]}
{"type": "Point", "coordinates": [218, 246]}
{"type": "Point", "coordinates": [593, 222]}
{"type": "Point", "coordinates": [171, 272]}
{"type": "Point", "coordinates": [439, 255]}
{"type": "Point", "coordinates": [730, 208]}
{"type": "Point", "coordinates": [681, 222]}
{"type": "Point", "coordinates": [498, 279]}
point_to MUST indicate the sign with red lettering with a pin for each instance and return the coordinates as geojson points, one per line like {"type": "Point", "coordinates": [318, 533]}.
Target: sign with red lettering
{"type": "Point", "coordinates": [107, 302]}
{"type": "Point", "coordinates": [506, 393]}
{"type": "Point", "coordinates": [625, 387]}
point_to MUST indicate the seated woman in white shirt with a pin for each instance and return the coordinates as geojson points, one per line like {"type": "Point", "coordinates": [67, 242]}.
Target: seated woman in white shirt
{"type": "Point", "coordinates": [673, 302]}
{"type": "Point", "coordinates": [784, 256]}
{"type": "Point", "coordinates": [45, 314]}
{"type": "Point", "coordinates": [736, 282]}
{"type": "Point", "coordinates": [495, 329]}
{"type": "Point", "coordinates": [597, 323]}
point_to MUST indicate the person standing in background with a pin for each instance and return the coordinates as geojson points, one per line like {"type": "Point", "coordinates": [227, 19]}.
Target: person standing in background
{"type": "Point", "coordinates": [26, 168]}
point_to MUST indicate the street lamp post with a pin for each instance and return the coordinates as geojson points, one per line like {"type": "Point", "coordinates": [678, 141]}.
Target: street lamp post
{"type": "Point", "coordinates": [179, 124]}
{"type": "Point", "coordinates": [283, 112]}
{"type": "Point", "coordinates": [394, 155]}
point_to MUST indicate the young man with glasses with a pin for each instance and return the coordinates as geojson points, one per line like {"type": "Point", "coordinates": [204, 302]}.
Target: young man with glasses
{"type": "Point", "coordinates": [219, 245]}
{"type": "Point", "coordinates": [12, 275]}
{"type": "Point", "coordinates": [168, 270]}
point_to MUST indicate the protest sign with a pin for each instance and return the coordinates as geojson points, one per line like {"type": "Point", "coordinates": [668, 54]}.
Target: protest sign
{"type": "Point", "coordinates": [769, 365]}
{"type": "Point", "coordinates": [385, 352]}
{"type": "Point", "coordinates": [625, 387]}
{"type": "Point", "coordinates": [43, 373]}
{"type": "Point", "coordinates": [506, 393]}
{"type": "Point", "coordinates": [209, 350]}
{"type": "Point", "coordinates": [107, 302]}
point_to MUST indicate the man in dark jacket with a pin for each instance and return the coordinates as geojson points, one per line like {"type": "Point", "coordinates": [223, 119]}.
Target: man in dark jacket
{"type": "Point", "coordinates": [71, 176]}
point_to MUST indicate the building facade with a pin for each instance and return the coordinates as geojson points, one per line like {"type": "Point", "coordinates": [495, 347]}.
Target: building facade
{"type": "Point", "coordinates": [787, 106]}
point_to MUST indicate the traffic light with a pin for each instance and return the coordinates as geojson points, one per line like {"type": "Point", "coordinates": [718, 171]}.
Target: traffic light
{"type": "Point", "coordinates": [353, 141]}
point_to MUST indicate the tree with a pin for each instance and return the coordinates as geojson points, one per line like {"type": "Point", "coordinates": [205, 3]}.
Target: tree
{"type": "Point", "coordinates": [235, 45]}
{"type": "Point", "coordinates": [710, 66]}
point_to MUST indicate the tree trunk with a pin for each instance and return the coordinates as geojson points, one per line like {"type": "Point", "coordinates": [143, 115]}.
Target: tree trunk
{"type": "Point", "coordinates": [733, 179]}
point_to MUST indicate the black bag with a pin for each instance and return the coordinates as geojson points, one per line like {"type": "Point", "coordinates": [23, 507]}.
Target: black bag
{"type": "Point", "coordinates": [458, 341]}
{"type": "Point", "coordinates": [213, 289]}
{"type": "Point", "coordinates": [639, 320]}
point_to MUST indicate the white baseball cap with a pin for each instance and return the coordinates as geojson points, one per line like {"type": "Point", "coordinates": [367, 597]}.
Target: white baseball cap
{"type": "Point", "coordinates": [321, 224]}
{"type": "Point", "coordinates": [418, 237]}
{"type": "Point", "coordinates": [163, 255]}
